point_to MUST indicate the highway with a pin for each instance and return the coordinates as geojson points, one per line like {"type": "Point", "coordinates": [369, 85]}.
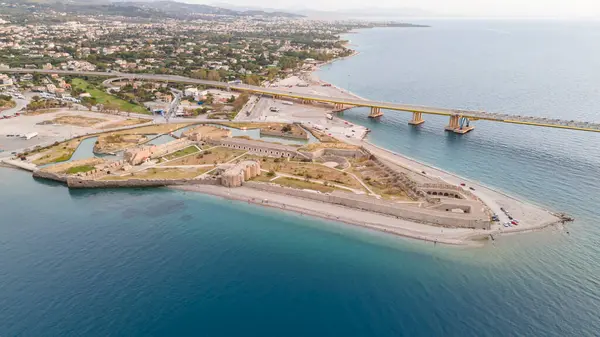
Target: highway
{"type": "Point", "coordinates": [471, 115]}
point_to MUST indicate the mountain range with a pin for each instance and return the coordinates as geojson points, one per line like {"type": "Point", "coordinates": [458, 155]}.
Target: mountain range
{"type": "Point", "coordinates": [152, 8]}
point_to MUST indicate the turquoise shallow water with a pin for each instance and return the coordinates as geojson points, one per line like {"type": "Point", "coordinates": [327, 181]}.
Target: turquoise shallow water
{"type": "Point", "coordinates": [168, 263]}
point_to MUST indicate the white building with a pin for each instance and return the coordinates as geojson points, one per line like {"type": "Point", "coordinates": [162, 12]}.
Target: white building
{"type": "Point", "coordinates": [191, 92]}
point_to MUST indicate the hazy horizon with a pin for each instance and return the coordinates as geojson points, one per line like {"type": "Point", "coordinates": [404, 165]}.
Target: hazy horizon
{"type": "Point", "coordinates": [469, 8]}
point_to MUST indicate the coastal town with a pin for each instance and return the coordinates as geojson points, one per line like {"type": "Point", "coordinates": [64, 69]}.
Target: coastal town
{"type": "Point", "coordinates": [115, 132]}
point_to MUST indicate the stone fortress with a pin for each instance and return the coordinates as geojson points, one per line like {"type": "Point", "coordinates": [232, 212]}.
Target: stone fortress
{"type": "Point", "coordinates": [432, 200]}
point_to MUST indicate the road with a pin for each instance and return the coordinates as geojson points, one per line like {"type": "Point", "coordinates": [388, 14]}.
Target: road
{"type": "Point", "coordinates": [472, 115]}
{"type": "Point", "coordinates": [21, 103]}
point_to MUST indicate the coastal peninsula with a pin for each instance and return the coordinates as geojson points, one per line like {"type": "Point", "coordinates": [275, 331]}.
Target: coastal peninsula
{"type": "Point", "coordinates": [298, 158]}
{"type": "Point", "coordinates": [67, 125]}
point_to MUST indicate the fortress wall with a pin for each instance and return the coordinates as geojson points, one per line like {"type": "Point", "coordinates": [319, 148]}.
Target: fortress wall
{"type": "Point", "coordinates": [412, 213]}
{"type": "Point", "coordinates": [77, 182]}
{"type": "Point", "coordinates": [101, 172]}
{"type": "Point", "coordinates": [457, 189]}
{"type": "Point", "coordinates": [51, 176]}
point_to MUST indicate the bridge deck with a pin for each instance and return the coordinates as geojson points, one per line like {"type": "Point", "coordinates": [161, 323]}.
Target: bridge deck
{"type": "Point", "coordinates": [473, 115]}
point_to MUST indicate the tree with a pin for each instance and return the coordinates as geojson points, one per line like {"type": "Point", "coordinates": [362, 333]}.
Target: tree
{"type": "Point", "coordinates": [252, 80]}
{"type": "Point", "coordinates": [210, 98]}
{"type": "Point", "coordinates": [272, 73]}
{"type": "Point", "coordinates": [239, 102]}
{"type": "Point", "coordinates": [213, 75]}
{"type": "Point", "coordinates": [286, 128]}
{"type": "Point", "coordinates": [89, 102]}
{"type": "Point", "coordinates": [111, 106]}
{"type": "Point", "coordinates": [231, 99]}
{"type": "Point", "coordinates": [287, 62]}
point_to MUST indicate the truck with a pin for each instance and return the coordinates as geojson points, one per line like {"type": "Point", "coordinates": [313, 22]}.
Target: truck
{"type": "Point", "coordinates": [287, 103]}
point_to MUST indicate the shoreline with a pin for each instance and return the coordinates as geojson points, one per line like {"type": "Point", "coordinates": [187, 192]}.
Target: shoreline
{"type": "Point", "coordinates": [554, 217]}
{"type": "Point", "coordinates": [463, 237]}
{"type": "Point", "coordinates": [475, 182]}
{"type": "Point", "coordinates": [386, 224]}
{"type": "Point", "coordinates": [316, 78]}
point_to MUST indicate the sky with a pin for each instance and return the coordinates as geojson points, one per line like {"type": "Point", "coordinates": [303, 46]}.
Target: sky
{"type": "Point", "coordinates": [546, 8]}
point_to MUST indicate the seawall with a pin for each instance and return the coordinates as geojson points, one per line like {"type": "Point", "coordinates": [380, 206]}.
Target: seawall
{"type": "Point", "coordinates": [411, 213]}
{"type": "Point", "coordinates": [76, 182]}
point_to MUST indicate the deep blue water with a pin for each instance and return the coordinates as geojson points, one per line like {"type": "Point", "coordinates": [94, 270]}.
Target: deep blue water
{"type": "Point", "coordinates": [167, 263]}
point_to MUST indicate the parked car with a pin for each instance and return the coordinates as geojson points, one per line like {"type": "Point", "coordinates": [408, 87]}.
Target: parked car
{"type": "Point", "coordinates": [472, 189]}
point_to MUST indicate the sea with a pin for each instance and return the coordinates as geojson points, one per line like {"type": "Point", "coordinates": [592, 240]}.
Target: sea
{"type": "Point", "coordinates": [160, 262]}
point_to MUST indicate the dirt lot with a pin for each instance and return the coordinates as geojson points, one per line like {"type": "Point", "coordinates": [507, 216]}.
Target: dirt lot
{"type": "Point", "coordinates": [161, 173]}
{"type": "Point", "coordinates": [337, 145]}
{"type": "Point", "coordinates": [214, 155]}
{"type": "Point", "coordinates": [310, 170]}
{"type": "Point", "coordinates": [116, 142]}
{"type": "Point", "coordinates": [127, 122]}
{"type": "Point", "coordinates": [272, 129]}
{"type": "Point", "coordinates": [208, 132]}
{"type": "Point", "coordinates": [77, 120]}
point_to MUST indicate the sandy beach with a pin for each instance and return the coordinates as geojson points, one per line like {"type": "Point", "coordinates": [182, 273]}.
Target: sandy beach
{"type": "Point", "coordinates": [374, 221]}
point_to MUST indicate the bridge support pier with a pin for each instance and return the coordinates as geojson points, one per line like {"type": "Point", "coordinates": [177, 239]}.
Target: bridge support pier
{"type": "Point", "coordinates": [417, 118]}
{"type": "Point", "coordinates": [375, 112]}
{"type": "Point", "coordinates": [453, 123]}
{"type": "Point", "coordinates": [338, 107]}
{"type": "Point", "coordinates": [459, 124]}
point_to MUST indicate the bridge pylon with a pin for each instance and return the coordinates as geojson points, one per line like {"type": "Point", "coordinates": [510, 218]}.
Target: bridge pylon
{"type": "Point", "coordinates": [417, 118]}
{"type": "Point", "coordinates": [338, 107]}
{"type": "Point", "coordinates": [459, 124]}
{"type": "Point", "coordinates": [375, 112]}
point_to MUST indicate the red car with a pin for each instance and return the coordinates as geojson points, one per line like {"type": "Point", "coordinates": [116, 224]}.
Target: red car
{"type": "Point", "coordinates": [514, 223]}
{"type": "Point", "coordinates": [463, 184]}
